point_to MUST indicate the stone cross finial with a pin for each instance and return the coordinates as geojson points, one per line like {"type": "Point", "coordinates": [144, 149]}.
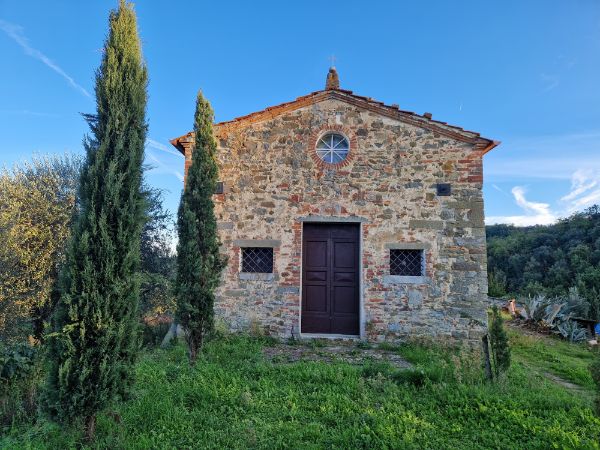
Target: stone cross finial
{"type": "Point", "coordinates": [333, 80]}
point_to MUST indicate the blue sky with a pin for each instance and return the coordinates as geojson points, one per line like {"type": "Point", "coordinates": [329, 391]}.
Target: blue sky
{"type": "Point", "coordinates": [524, 73]}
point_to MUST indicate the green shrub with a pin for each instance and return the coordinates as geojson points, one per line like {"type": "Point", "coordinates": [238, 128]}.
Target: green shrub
{"type": "Point", "coordinates": [373, 369]}
{"type": "Point", "coordinates": [595, 370]}
{"type": "Point", "coordinates": [16, 362]}
{"type": "Point", "coordinates": [20, 374]}
{"type": "Point", "coordinates": [153, 332]}
{"type": "Point", "coordinates": [496, 283]}
{"type": "Point", "coordinates": [499, 343]}
{"type": "Point", "coordinates": [417, 377]}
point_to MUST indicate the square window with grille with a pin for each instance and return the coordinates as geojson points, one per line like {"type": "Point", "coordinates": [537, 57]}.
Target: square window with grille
{"type": "Point", "coordinates": [408, 263]}
{"type": "Point", "coordinates": [257, 260]}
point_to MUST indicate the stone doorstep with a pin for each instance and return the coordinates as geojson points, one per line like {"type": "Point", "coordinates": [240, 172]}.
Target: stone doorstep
{"type": "Point", "coordinates": [341, 339]}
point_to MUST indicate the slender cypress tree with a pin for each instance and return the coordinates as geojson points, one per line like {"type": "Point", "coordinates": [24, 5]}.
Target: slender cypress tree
{"type": "Point", "coordinates": [95, 341]}
{"type": "Point", "coordinates": [499, 343]}
{"type": "Point", "coordinates": [199, 264]}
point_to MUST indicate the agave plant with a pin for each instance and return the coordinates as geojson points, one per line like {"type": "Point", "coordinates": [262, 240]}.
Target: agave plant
{"type": "Point", "coordinates": [552, 311]}
{"type": "Point", "coordinates": [563, 309]}
{"type": "Point", "coordinates": [534, 308]}
{"type": "Point", "coordinates": [569, 329]}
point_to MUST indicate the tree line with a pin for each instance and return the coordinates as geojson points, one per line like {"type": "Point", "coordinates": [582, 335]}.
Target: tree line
{"type": "Point", "coordinates": [551, 260]}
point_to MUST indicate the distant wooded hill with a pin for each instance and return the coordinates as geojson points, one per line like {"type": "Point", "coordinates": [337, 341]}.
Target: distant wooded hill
{"type": "Point", "coordinates": [547, 259]}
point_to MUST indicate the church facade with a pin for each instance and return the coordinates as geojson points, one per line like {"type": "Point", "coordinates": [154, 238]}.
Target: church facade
{"type": "Point", "coordinates": [344, 217]}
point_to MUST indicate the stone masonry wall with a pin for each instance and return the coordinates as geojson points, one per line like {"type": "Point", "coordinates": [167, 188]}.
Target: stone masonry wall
{"type": "Point", "coordinates": [273, 181]}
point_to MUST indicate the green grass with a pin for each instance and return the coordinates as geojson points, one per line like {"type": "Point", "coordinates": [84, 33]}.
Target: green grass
{"type": "Point", "coordinates": [552, 355]}
{"type": "Point", "coordinates": [234, 398]}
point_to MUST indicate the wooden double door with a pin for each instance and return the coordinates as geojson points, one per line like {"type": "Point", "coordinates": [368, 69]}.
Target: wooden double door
{"type": "Point", "coordinates": [330, 278]}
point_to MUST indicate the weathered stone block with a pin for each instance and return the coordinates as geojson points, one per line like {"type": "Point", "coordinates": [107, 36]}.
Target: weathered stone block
{"type": "Point", "coordinates": [426, 224]}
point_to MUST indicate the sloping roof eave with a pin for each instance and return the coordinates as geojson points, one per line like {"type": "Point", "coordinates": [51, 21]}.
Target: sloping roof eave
{"type": "Point", "coordinates": [391, 111]}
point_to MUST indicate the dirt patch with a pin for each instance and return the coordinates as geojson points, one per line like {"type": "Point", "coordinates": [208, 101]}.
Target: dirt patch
{"type": "Point", "coordinates": [333, 353]}
{"type": "Point", "coordinates": [528, 330]}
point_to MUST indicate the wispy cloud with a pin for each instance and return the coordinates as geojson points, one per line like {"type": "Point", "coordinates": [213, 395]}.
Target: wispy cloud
{"type": "Point", "coordinates": [550, 81]}
{"type": "Point", "coordinates": [15, 32]}
{"type": "Point", "coordinates": [161, 165]}
{"type": "Point", "coordinates": [535, 213]}
{"type": "Point", "coordinates": [584, 192]}
{"type": "Point", "coordinates": [26, 112]}
{"type": "Point", "coordinates": [165, 168]}
{"type": "Point", "coordinates": [499, 189]}
{"type": "Point", "coordinates": [565, 61]}
{"type": "Point", "coordinates": [539, 210]}
{"type": "Point", "coordinates": [552, 77]}
{"type": "Point", "coordinates": [162, 147]}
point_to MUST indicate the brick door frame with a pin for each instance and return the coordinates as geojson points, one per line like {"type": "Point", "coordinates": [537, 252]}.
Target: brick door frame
{"type": "Point", "coordinates": [360, 221]}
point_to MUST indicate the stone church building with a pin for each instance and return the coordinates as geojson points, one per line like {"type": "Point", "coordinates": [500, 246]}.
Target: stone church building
{"type": "Point", "coordinates": [342, 216]}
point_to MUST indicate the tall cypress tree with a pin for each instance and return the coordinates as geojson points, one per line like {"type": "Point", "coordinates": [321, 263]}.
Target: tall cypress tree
{"type": "Point", "coordinates": [199, 264]}
{"type": "Point", "coordinates": [95, 340]}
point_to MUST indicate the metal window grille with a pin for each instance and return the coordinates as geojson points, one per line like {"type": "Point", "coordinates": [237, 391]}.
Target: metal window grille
{"type": "Point", "coordinates": [406, 262]}
{"type": "Point", "coordinates": [257, 260]}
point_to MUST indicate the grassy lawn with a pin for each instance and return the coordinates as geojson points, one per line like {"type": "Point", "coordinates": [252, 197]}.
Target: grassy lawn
{"type": "Point", "coordinates": [235, 398]}
{"type": "Point", "coordinates": [546, 355]}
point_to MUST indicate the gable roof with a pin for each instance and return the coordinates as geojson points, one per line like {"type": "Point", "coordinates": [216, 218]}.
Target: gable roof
{"type": "Point", "coordinates": [483, 145]}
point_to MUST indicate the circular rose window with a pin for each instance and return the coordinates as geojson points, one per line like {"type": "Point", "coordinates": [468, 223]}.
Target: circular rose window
{"type": "Point", "coordinates": [333, 148]}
